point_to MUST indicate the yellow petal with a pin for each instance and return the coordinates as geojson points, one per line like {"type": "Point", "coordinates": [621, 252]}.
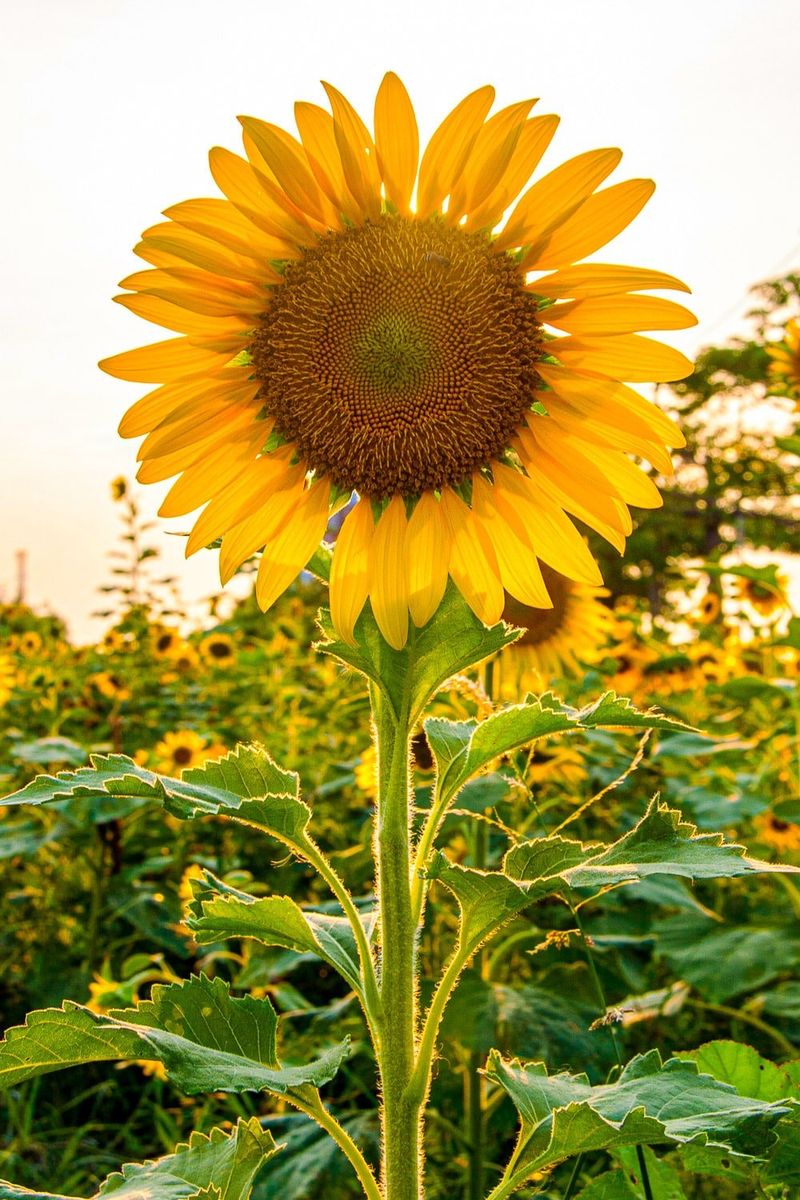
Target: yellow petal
{"type": "Point", "coordinates": [473, 563]}
{"type": "Point", "coordinates": [285, 158]}
{"type": "Point", "coordinates": [223, 419]}
{"type": "Point", "coordinates": [516, 558]}
{"type": "Point", "coordinates": [315, 126]}
{"type": "Point", "coordinates": [357, 152]}
{"type": "Point", "coordinates": [257, 198]}
{"type": "Point", "coordinates": [601, 279]}
{"type": "Point", "coordinates": [618, 314]}
{"type": "Point", "coordinates": [167, 245]}
{"type": "Point", "coordinates": [449, 149]}
{"type": "Point", "coordinates": [597, 221]}
{"type": "Point", "coordinates": [223, 223]}
{"type": "Point", "coordinates": [157, 405]}
{"type": "Point", "coordinates": [287, 552]}
{"type": "Point", "coordinates": [209, 476]}
{"type": "Point", "coordinates": [161, 362]}
{"type": "Point", "coordinates": [600, 426]}
{"type": "Point", "coordinates": [556, 196]}
{"type": "Point", "coordinates": [626, 356]}
{"type": "Point", "coordinates": [396, 141]}
{"type": "Point", "coordinates": [350, 569]}
{"type": "Point", "coordinates": [242, 541]}
{"type": "Point", "coordinates": [234, 502]}
{"type": "Point", "coordinates": [182, 320]}
{"type": "Point", "coordinates": [535, 137]}
{"type": "Point", "coordinates": [388, 570]}
{"type": "Point", "coordinates": [581, 387]}
{"type": "Point", "coordinates": [428, 548]}
{"type": "Point", "coordinates": [155, 470]}
{"type": "Point", "coordinates": [489, 159]}
{"type": "Point", "coordinates": [555, 538]}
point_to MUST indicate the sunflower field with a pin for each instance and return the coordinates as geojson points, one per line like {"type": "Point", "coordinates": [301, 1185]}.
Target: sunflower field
{"type": "Point", "coordinates": [461, 856]}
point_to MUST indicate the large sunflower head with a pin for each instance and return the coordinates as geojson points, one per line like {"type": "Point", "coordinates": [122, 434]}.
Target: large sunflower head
{"type": "Point", "coordinates": [556, 641]}
{"type": "Point", "coordinates": [784, 369]}
{"type": "Point", "coordinates": [414, 335]}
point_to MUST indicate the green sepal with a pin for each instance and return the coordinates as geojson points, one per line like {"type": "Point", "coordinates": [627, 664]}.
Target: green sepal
{"type": "Point", "coordinates": [452, 641]}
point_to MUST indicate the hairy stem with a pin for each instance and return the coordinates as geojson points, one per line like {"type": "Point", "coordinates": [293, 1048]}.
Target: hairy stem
{"type": "Point", "coordinates": [398, 928]}
{"type": "Point", "coordinates": [319, 1113]}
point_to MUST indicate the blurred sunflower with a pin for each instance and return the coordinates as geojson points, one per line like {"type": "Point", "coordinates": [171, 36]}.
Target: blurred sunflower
{"type": "Point", "coordinates": [366, 773]}
{"type": "Point", "coordinates": [119, 487]}
{"type": "Point", "coordinates": [114, 641]}
{"type": "Point", "coordinates": [30, 643]}
{"type": "Point", "coordinates": [785, 366]}
{"type": "Point", "coordinates": [782, 835]}
{"type": "Point", "coordinates": [713, 664]}
{"type": "Point", "coordinates": [631, 659]}
{"type": "Point", "coordinates": [556, 640]}
{"type": "Point", "coordinates": [8, 676]}
{"type": "Point", "coordinates": [555, 762]}
{"type": "Point", "coordinates": [110, 685]}
{"type": "Point", "coordinates": [182, 749]}
{"type": "Point", "coordinates": [217, 650]}
{"type": "Point", "coordinates": [167, 643]}
{"type": "Point", "coordinates": [708, 609]}
{"type": "Point", "coordinates": [765, 597]}
{"type": "Point", "coordinates": [359, 324]}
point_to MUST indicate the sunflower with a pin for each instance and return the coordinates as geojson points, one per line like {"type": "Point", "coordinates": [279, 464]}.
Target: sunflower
{"type": "Point", "coordinates": [30, 643]}
{"type": "Point", "coordinates": [764, 597]}
{"type": "Point", "coordinates": [119, 488]}
{"type": "Point", "coordinates": [555, 640]}
{"type": "Point", "coordinates": [167, 643]}
{"type": "Point", "coordinates": [366, 773]}
{"type": "Point", "coordinates": [781, 835]}
{"type": "Point", "coordinates": [631, 660]}
{"type": "Point", "coordinates": [114, 641]}
{"type": "Point", "coordinates": [182, 749]}
{"type": "Point", "coordinates": [359, 325]}
{"type": "Point", "coordinates": [785, 366]}
{"type": "Point", "coordinates": [217, 650]}
{"type": "Point", "coordinates": [110, 685]}
{"type": "Point", "coordinates": [8, 679]}
{"type": "Point", "coordinates": [708, 609]}
{"type": "Point", "coordinates": [554, 762]}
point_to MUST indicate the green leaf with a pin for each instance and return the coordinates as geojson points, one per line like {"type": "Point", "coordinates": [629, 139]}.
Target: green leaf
{"type": "Point", "coordinates": [462, 748]}
{"type": "Point", "coordinates": [279, 921]}
{"type": "Point", "coordinates": [219, 1164]}
{"type": "Point", "coordinates": [207, 1040]}
{"type": "Point", "coordinates": [51, 750]}
{"type": "Point", "coordinates": [743, 1068]}
{"type": "Point", "coordinates": [245, 785]}
{"type": "Point", "coordinates": [311, 1166]}
{"type": "Point", "coordinates": [661, 843]}
{"type": "Point", "coordinates": [626, 1183]}
{"type": "Point", "coordinates": [452, 641]}
{"type": "Point", "coordinates": [487, 899]}
{"type": "Point", "coordinates": [725, 962]}
{"type": "Point", "coordinates": [651, 1102]}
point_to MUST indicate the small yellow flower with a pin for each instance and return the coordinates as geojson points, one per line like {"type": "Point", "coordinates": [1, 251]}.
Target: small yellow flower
{"type": "Point", "coordinates": [110, 685]}
{"type": "Point", "coordinates": [217, 650]}
{"type": "Point", "coordinates": [167, 643]}
{"type": "Point", "coordinates": [367, 773]}
{"type": "Point", "coordinates": [119, 487]}
{"type": "Point", "coordinates": [708, 609]}
{"type": "Point", "coordinates": [632, 658]}
{"type": "Point", "coordinates": [8, 678]}
{"type": "Point", "coordinates": [765, 598]}
{"type": "Point", "coordinates": [30, 643]}
{"type": "Point", "coordinates": [783, 836]}
{"type": "Point", "coordinates": [785, 366]}
{"type": "Point", "coordinates": [114, 641]}
{"type": "Point", "coordinates": [184, 748]}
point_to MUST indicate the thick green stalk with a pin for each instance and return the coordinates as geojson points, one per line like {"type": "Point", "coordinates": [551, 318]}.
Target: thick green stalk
{"type": "Point", "coordinates": [398, 928]}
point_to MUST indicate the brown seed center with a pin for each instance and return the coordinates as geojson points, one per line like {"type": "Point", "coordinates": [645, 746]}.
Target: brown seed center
{"type": "Point", "coordinates": [540, 624]}
{"type": "Point", "coordinates": [399, 356]}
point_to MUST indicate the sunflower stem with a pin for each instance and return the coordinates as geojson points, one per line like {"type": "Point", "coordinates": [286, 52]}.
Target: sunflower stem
{"type": "Point", "coordinates": [398, 928]}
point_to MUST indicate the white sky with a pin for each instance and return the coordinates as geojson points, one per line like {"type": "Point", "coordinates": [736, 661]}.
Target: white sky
{"type": "Point", "coordinates": [109, 108]}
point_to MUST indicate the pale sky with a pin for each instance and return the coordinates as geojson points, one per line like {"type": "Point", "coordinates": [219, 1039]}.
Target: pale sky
{"type": "Point", "coordinates": [110, 106]}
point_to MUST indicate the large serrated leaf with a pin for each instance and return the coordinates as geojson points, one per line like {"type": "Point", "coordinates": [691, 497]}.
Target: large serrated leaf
{"type": "Point", "coordinates": [279, 921]}
{"type": "Point", "coordinates": [220, 1165]}
{"type": "Point", "coordinates": [661, 843]}
{"type": "Point", "coordinates": [487, 899]}
{"type": "Point", "coordinates": [462, 748]}
{"type": "Point", "coordinates": [452, 641]}
{"type": "Point", "coordinates": [245, 785]}
{"type": "Point", "coordinates": [207, 1040]}
{"type": "Point", "coordinates": [651, 1103]}
{"type": "Point", "coordinates": [743, 1067]}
